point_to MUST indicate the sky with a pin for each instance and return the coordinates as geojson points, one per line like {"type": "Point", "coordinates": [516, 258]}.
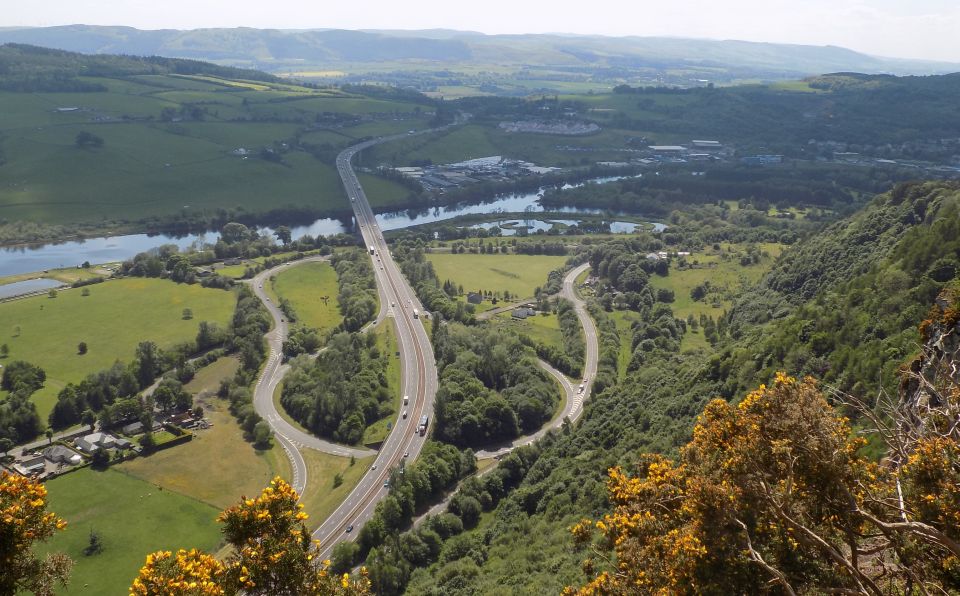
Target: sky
{"type": "Point", "coordinates": [925, 29]}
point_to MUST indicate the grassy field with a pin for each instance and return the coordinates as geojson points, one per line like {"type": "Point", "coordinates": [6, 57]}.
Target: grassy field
{"type": "Point", "coordinates": [623, 319]}
{"type": "Point", "coordinates": [727, 277]}
{"type": "Point", "coordinates": [518, 274]}
{"type": "Point", "coordinates": [217, 467]}
{"type": "Point", "coordinates": [542, 328]}
{"type": "Point", "coordinates": [133, 518]}
{"type": "Point", "coordinates": [66, 275]}
{"type": "Point", "coordinates": [387, 343]}
{"type": "Point", "coordinates": [207, 380]}
{"type": "Point", "coordinates": [148, 167]}
{"type": "Point", "coordinates": [110, 320]}
{"type": "Point", "coordinates": [382, 192]}
{"type": "Point", "coordinates": [321, 498]}
{"type": "Point", "coordinates": [305, 285]}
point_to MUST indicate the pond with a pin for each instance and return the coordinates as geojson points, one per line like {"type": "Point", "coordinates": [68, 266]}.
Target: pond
{"type": "Point", "coordinates": [28, 287]}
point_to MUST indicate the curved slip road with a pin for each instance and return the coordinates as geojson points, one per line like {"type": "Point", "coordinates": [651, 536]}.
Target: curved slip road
{"type": "Point", "coordinates": [575, 397]}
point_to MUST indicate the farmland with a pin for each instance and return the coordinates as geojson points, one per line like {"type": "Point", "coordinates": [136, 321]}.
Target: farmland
{"type": "Point", "coordinates": [312, 291]}
{"type": "Point", "coordinates": [46, 331]}
{"type": "Point", "coordinates": [517, 274]}
{"type": "Point", "coordinates": [180, 148]}
{"type": "Point", "coordinates": [132, 517]}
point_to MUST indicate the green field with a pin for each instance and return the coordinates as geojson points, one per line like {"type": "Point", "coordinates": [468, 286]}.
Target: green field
{"type": "Point", "coordinates": [517, 274]}
{"type": "Point", "coordinates": [305, 285]}
{"type": "Point", "coordinates": [132, 517]}
{"type": "Point", "coordinates": [724, 272]}
{"type": "Point", "coordinates": [110, 320]}
{"type": "Point", "coordinates": [542, 328]}
{"type": "Point", "coordinates": [159, 167]}
{"type": "Point", "coordinates": [217, 467]}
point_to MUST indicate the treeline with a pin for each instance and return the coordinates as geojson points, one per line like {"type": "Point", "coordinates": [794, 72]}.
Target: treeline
{"type": "Point", "coordinates": [409, 255]}
{"type": "Point", "coordinates": [574, 347]}
{"type": "Point", "coordinates": [19, 420]}
{"type": "Point", "coordinates": [357, 288]}
{"type": "Point", "coordinates": [343, 391]}
{"type": "Point", "coordinates": [413, 487]}
{"type": "Point", "coordinates": [491, 388]}
{"type": "Point", "coordinates": [401, 557]}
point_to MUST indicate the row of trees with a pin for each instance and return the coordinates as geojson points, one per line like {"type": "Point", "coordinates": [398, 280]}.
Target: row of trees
{"type": "Point", "coordinates": [358, 288]}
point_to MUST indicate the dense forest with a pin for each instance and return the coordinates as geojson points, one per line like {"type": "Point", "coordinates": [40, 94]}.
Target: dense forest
{"type": "Point", "coordinates": [342, 391]}
{"type": "Point", "coordinates": [491, 388]}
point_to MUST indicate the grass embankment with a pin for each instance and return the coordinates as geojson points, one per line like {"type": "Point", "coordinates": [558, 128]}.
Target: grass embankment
{"type": "Point", "coordinates": [322, 498]}
{"type": "Point", "coordinates": [312, 290]}
{"type": "Point", "coordinates": [132, 517]}
{"type": "Point", "coordinates": [112, 320]}
{"type": "Point", "coordinates": [517, 274]}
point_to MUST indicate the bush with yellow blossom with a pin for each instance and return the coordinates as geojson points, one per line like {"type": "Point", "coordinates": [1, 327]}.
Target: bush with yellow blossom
{"type": "Point", "coordinates": [773, 495]}
{"type": "Point", "coordinates": [272, 554]}
{"type": "Point", "coordinates": [24, 521]}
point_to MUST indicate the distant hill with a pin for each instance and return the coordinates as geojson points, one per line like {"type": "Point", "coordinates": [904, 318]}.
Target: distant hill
{"type": "Point", "coordinates": [281, 50]}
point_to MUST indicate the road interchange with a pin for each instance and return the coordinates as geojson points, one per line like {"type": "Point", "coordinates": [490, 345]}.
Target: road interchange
{"type": "Point", "coordinates": [418, 374]}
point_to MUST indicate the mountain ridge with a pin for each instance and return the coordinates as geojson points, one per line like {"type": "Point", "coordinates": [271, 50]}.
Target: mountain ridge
{"type": "Point", "coordinates": [280, 49]}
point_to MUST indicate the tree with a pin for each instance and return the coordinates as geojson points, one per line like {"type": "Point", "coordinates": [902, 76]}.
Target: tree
{"type": "Point", "coordinates": [86, 139]}
{"type": "Point", "coordinates": [271, 554]}
{"type": "Point", "coordinates": [261, 435]}
{"type": "Point", "coordinates": [85, 292]}
{"type": "Point", "coordinates": [147, 361]}
{"type": "Point", "coordinates": [283, 234]}
{"type": "Point", "coordinates": [82, 347]}
{"type": "Point", "coordinates": [4, 350]}
{"type": "Point", "coordinates": [52, 293]}
{"type": "Point", "coordinates": [25, 521]}
{"type": "Point", "coordinates": [100, 459]}
{"type": "Point", "coordinates": [88, 418]}
{"type": "Point", "coordinates": [337, 479]}
{"type": "Point", "coordinates": [187, 314]}
{"type": "Point", "coordinates": [5, 445]}
{"type": "Point", "coordinates": [94, 544]}
{"type": "Point", "coordinates": [49, 434]}
{"type": "Point", "coordinates": [234, 232]}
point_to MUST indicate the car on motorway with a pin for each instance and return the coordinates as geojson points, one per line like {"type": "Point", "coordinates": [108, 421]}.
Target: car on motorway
{"type": "Point", "coordinates": [349, 528]}
{"type": "Point", "coordinates": [386, 484]}
{"type": "Point", "coordinates": [373, 467]}
{"type": "Point", "coordinates": [406, 454]}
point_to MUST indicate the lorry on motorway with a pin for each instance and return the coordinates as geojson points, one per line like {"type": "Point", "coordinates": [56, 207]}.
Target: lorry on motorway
{"type": "Point", "coordinates": [416, 314]}
{"type": "Point", "coordinates": [422, 427]}
{"type": "Point", "coordinates": [373, 251]}
{"type": "Point", "coordinates": [406, 399]}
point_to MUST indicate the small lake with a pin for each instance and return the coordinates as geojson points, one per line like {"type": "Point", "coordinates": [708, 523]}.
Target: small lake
{"type": "Point", "coordinates": [509, 227]}
{"type": "Point", "coordinates": [26, 259]}
{"type": "Point", "coordinates": [28, 287]}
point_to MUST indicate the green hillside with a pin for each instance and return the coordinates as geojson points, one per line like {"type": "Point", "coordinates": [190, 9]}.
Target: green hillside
{"type": "Point", "coordinates": [114, 142]}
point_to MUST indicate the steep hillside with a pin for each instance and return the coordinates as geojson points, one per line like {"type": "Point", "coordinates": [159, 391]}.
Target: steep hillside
{"type": "Point", "coordinates": [525, 542]}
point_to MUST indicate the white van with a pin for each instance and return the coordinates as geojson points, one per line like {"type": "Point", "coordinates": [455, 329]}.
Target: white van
{"type": "Point", "coordinates": [406, 399]}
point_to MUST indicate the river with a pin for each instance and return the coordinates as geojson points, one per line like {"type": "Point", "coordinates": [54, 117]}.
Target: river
{"type": "Point", "coordinates": [27, 259]}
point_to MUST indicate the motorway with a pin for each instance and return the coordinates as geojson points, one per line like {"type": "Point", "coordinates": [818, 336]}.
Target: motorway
{"type": "Point", "coordinates": [418, 374]}
{"type": "Point", "coordinates": [418, 367]}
